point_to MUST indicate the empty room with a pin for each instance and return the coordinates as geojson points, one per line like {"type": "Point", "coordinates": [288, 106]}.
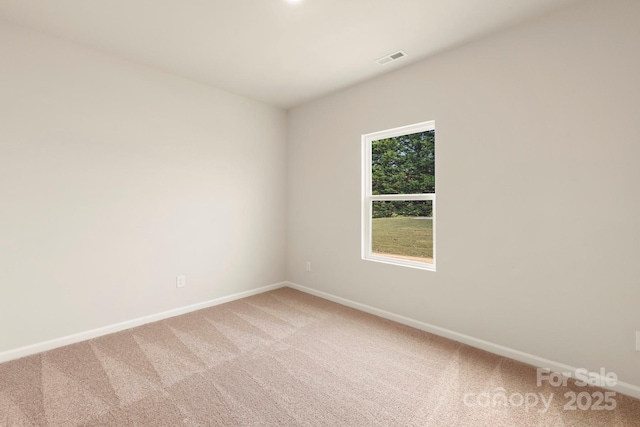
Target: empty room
{"type": "Point", "coordinates": [320, 213]}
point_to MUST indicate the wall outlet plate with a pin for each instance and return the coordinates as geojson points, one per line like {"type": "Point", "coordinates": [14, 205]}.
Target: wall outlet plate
{"type": "Point", "coordinates": [637, 340]}
{"type": "Point", "coordinates": [181, 281]}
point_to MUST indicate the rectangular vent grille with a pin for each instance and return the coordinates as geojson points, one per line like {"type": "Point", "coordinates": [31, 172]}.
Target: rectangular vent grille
{"type": "Point", "coordinates": [390, 58]}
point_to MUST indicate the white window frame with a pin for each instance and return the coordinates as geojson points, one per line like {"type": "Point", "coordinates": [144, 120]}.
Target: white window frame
{"type": "Point", "coordinates": [368, 198]}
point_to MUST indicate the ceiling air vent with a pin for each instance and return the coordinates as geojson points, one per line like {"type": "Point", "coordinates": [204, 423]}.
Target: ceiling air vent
{"type": "Point", "coordinates": [390, 58]}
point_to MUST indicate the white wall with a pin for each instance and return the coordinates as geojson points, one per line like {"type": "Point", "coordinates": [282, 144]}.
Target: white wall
{"type": "Point", "coordinates": [538, 177]}
{"type": "Point", "coordinates": [114, 178]}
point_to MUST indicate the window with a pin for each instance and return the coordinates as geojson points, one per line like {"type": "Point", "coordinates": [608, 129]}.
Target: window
{"type": "Point", "coordinates": [398, 196]}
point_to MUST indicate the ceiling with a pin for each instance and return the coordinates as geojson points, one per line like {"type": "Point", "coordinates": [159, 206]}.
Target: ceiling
{"type": "Point", "coordinates": [278, 52]}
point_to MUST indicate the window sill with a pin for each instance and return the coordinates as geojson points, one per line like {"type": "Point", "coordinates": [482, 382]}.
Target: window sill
{"type": "Point", "coordinates": [400, 262]}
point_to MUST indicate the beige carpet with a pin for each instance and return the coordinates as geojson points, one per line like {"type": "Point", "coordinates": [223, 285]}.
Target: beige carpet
{"type": "Point", "coordinates": [282, 358]}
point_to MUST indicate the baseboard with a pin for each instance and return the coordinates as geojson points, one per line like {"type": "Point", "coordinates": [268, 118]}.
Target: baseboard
{"type": "Point", "coordinates": [621, 387]}
{"type": "Point", "coordinates": [530, 359]}
{"type": "Point", "coordinates": [94, 333]}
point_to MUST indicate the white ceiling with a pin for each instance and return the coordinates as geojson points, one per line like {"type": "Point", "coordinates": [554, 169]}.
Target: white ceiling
{"type": "Point", "coordinates": [272, 50]}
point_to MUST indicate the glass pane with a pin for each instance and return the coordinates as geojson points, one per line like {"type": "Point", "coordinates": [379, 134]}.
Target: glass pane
{"type": "Point", "coordinates": [403, 229]}
{"type": "Point", "coordinates": [404, 164]}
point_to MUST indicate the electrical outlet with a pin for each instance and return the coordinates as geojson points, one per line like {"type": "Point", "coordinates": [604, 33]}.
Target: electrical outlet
{"type": "Point", "coordinates": [181, 281]}
{"type": "Point", "coordinates": [308, 265]}
{"type": "Point", "coordinates": [637, 340]}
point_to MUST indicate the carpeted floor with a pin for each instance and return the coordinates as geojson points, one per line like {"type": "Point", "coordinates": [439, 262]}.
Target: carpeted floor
{"type": "Point", "coordinates": [285, 358]}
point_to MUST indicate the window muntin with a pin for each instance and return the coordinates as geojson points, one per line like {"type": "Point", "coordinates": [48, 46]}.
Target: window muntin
{"type": "Point", "coordinates": [398, 203]}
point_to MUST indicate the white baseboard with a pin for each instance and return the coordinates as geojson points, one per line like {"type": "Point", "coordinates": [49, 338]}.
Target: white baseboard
{"type": "Point", "coordinates": [621, 387]}
{"type": "Point", "coordinates": [530, 359]}
{"type": "Point", "coordinates": [94, 333]}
